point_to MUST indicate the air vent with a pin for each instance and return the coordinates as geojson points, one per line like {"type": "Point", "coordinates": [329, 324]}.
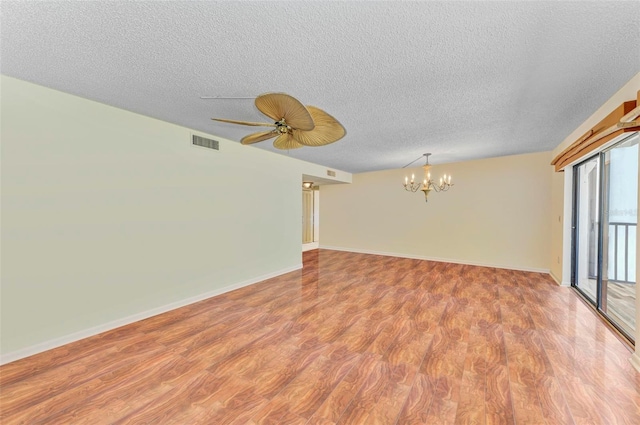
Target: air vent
{"type": "Point", "coordinates": [205, 143]}
{"type": "Point", "coordinates": [331, 173]}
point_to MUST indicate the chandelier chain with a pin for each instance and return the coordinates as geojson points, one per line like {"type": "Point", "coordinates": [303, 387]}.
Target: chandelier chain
{"type": "Point", "coordinates": [420, 157]}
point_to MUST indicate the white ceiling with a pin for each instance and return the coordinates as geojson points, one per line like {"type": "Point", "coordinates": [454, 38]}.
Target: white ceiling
{"type": "Point", "coordinates": [461, 80]}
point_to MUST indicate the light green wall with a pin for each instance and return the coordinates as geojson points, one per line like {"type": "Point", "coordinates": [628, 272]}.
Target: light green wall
{"type": "Point", "coordinates": [106, 214]}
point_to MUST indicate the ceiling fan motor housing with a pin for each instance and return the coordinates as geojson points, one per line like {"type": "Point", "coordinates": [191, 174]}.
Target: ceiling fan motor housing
{"type": "Point", "coordinates": [282, 126]}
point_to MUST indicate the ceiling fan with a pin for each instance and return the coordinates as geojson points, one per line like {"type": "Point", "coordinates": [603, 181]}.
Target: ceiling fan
{"type": "Point", "coordinates": [295, 125]}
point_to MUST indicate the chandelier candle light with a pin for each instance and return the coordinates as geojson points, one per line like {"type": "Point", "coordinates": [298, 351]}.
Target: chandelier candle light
{"type": "Point", "coordinates": [427, 184]}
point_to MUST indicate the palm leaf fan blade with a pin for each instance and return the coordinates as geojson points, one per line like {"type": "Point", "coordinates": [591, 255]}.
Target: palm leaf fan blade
{"type": "Point", "coordinates": [326, 131]}
{"type": "Point", "coordinates": [255, 124]}
{"type": "Point", "coordinates": [280, 105]}
{"type": "Point", "coordinates": [286, 142]}
{"type": "Point", "coordinates": [258, 137]}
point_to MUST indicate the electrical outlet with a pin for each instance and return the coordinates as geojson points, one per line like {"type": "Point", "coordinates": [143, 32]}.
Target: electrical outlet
{"type": "Point", "coordinates": [558, 259]}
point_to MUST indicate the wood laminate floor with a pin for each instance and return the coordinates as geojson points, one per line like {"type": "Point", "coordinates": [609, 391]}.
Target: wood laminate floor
{"type": "Point", "coordinates": [621, 301]}
{"type": "Point", "coordinates": [350, 339]}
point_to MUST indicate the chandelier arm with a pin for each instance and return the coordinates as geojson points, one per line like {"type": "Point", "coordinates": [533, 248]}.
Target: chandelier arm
{"type": "Point", "coordinates": [413, 186]}
{"type": "Point", "coordinates": [431, 186]}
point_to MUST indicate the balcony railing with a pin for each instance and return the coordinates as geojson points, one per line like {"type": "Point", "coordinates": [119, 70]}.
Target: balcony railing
{"type": "Point", "coordinates": [619, 234]}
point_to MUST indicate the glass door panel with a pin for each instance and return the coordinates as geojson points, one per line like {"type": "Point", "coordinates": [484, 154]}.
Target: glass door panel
{"type": "Point", "coordinates": [620, 197]}
{"type": "Point", "coordinates": [587, 224]}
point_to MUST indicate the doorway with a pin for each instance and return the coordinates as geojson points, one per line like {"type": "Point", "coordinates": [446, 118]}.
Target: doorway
{"type": "Point", "coordinates": [307, 216]}
{"type": "Point", "coordinates": [310, 218]}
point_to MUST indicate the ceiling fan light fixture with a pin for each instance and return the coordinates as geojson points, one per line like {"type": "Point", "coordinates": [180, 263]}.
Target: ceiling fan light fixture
{"type": "Point", "coordinates": [295, 125]}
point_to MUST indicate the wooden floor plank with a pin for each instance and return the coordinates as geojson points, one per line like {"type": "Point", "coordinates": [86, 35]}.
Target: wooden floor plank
{"type": "Point", "coordinates": [349, 339]}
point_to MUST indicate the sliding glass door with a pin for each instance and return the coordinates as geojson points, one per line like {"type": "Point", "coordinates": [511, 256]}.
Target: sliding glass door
{"type": "Point", "coordinates": [620, 232]}
{"type": "Point", "coordinates": [605, 232]}
{"type": "Point", "coordinates": [587, 224]}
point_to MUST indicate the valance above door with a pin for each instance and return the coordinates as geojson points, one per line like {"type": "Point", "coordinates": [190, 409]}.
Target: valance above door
{"type": "Point", "coordinates": [623, 119]}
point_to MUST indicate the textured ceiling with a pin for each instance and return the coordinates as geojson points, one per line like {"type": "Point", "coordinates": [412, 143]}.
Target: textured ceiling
{"type": "Point", "coordinates": [462, 80]}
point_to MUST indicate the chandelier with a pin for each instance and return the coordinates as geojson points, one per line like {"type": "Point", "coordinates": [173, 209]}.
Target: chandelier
{"type": "Point", "coordinates": [427, 184]}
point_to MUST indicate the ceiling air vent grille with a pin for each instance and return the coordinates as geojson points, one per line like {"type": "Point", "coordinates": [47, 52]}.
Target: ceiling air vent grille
{"type": "Point", "coordinates": [331, 173]}
{"type": "Point", "coordinates": [205, 143]}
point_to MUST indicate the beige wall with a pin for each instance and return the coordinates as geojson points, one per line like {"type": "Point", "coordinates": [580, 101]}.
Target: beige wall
{"type": "Point", "coordinates": [108, 214]}
{"type": "Point", "coordinates": [498, 214]}
{"type": "Point", "coordinates": [557, 223]}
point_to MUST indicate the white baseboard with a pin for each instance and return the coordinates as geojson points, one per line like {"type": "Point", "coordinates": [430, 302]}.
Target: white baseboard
{"type": "Point", "coordinates": [441, 260]}
{"type": "Point", "coordinates": [558, 281]}
{"type": "Point", "coordinates": [310, 246]}
{"type": "Point", "coordinates": [635, 361]}
{"type": "Point", "coordinates": [95, 330]}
